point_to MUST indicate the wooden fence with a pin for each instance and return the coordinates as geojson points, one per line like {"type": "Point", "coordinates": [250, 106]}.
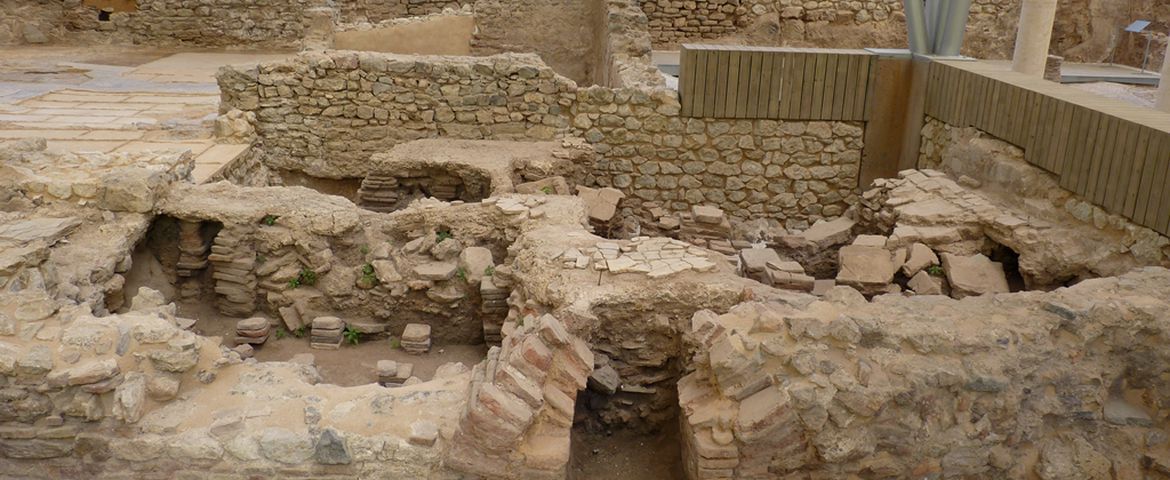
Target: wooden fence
{"type": "Point", "coordinates": [776, 83]}
{"type": "Point", "coordinates": [1110, 153]}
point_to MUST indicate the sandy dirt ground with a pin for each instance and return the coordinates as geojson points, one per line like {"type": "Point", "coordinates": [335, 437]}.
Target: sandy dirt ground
{"type": "Point", "coordinates": [626, 455]}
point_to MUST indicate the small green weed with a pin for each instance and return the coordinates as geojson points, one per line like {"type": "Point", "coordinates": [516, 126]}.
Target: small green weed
{"type": "Point", "coordinates": [935, 270]}
{"type": "Point", "coordinates": [269, 220]}
{"type": "Point", "coordinates": [281, 333]}
{"type": "Point", "coordinates": [461, 273]}
{"type": "Point", "coordinates": [368, 275]}
{"type": "Point", "coordinates": [365, 249]}
{"type": "Point", "coordinates": [548, 189]}
{"type": "Point", "coordinates": [307, 277]}
{"type": "Point", "coordinates": [301, 332]}
{"type": "Point", "coordinates": [395, 342]}
{"type": "Point", "coordinates": [352, 336]}
{"type": "Point", "coordinates": [443, 235]}
{"type": "Point", "coordinates": [489, 271]}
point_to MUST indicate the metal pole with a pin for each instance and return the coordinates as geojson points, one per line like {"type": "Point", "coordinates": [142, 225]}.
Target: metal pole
{"type": "Point", "coordinates": [1146, 56]}
{"type": "Point", "coordinates": [916, 27]}
{"type": "Point", "coordinates": [953, 28]}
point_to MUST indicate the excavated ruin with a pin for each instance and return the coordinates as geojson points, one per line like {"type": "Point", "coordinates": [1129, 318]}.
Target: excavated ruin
{"type": "Point", "coordinates": [501, 240]}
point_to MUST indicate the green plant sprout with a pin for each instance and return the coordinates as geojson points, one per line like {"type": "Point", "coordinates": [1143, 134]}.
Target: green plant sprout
{"type": "Point", "coordinates": [269, 220]}
{"type": "Point", "coordinates": [352, 336]}
{"type": "Point", "coordinates": [443, 235]}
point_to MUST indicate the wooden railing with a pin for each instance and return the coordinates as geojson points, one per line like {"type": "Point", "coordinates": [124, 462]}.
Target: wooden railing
{"type": "Point", "coordinates": [775, 83]}
{"type": "Point", "coordinates": [1109, 152]}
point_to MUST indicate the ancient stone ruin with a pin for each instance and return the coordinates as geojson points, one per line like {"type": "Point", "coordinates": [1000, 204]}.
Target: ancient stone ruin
{"type": "Point", "coordinates": [554, 239]}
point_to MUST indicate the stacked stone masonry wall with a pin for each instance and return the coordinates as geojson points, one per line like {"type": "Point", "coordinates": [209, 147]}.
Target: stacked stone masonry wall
{"type": "Point", "coordinates": [677, 21]}
{"type": "Point", "coordinates": [326, 113]}
{"type": "Point", "coordinates": [199, 22]}
{"type": "Point", "coordinates": [375, 11]}
{"type": "Point", "coordinates": [933, 387]}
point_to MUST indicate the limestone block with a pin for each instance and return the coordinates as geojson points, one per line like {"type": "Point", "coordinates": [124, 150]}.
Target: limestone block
{"type": "Point", "coordinates": [919, 258]}
{"type": "Point", "coordinates": [435, 271]}
{"type": "Point", "coordinates": [474, 262]}
{"type": "Point", "coordinates": [974, 275]}
{"type": "Point", "coordinates": [868, 269]}
{"type": "Point", "coordinates": [925, 284]}
{"type": "Point", "coordinates": [825, 234]}
{"type": "Point", "coordinates": [755, 260]}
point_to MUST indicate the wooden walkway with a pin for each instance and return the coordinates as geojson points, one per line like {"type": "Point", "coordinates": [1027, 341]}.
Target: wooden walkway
{"type": "Point", "coordinates": [1109, 152]}
{"type": "Point", "coordinates": [736, 81]}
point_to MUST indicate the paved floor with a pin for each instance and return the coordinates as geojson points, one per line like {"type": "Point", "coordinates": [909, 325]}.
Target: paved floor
{"type": "Point", "coordinates": [163, 104]}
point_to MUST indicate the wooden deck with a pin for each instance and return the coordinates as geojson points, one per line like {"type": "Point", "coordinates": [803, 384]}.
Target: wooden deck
{"type": "Point", "coordinates": [1107, 151]}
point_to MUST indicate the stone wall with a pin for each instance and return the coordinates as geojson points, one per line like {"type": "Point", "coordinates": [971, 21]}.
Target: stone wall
{"type": "Point", "coordinates": [1067, 236]}
{"type": "Point", "coordinates": [30, 22]}
{"type": "Point", "coordinates": [521, 407]}
{"type": "Point", "coordinates": [560, 31]}
{"type": "Point", "coordinates": [1030, 385]}
{"type": "Point", "coordinates": [270, 23]}
{"type": "Point", "coordinates": [375, 11]}
{"type": "Point", "coordinates": [346, 106]}
{"type": "Point", "coordinates": [326, 113]}
{"type": "Point", "coordinates": [675, 21]}
{"type": "Point", "coordinates": [624, 48]}
{"type": "Point", "coordinates": [798, 171]}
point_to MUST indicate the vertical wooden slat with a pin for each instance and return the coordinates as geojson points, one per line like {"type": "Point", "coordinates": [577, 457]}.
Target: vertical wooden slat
{"type": "Point", "coordinates": [853, 89]}
{"type": "Point", "coordinates": [687, 81]}
{"type": "Point", "coordinates": [776, 95]}
{"type": "Point", "coordinates": [1016, 115]}
{"type": "Point", "coordinates": [842, 83]}
{"type": "Point", "coordinates": [1063, 129]}
{"type": "Point", "coordinates": [812, 84]}
{"type": "Point", "coordinates": [1092, 161]}
{"type": "Point", "coordinates": [864, 101]}
{"type": "Point", "coordinates": [930, 102]}
{"type": "Point", "coordinates": [794, 76]}
{"type": "Point", "coordinates": [1035, 154]}
{"type": "Point", "coordinates": [1134, 176]}
{"type": "Point", "coordinates": [1146, 186]}
{"type": "Point", "coordinates": [745, 83]}
{"type": "Point", "coordinates": [1158, 193]}
{"type": "Point", "coordinates": [818, 93]}
{"type": "Point", "coordinates": [825, 112]}
{"type": "Point", "coordinates": [1098, 184]}
{"type": "Point", "coordinates": [1034, 119]}
{"type": "Point", "coordinates": [1161, 222]}
{"type": "Point", "coordinates": [1076, 169]}
{"type": "Point", "coordinates": [733, 59]}
{"type": "Point", "coordinates": [1122, 167]}
{"type": "Point", "coordinates": [762, 85]}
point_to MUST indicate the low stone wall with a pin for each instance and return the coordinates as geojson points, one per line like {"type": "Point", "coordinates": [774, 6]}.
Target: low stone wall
{"type": "Point", "coordinates": [799, 171]}
{"type": "Point", "coordinates": [375, 11]}
{"type": "Point", "coordinates": [346, 106]}
{"type": "Point", "coordinates": [326, 113]}
{"type": "Point", "coordinates": [1070, 237]}
{"type": "Point", "coordinates": [1028, 385]}
{"type": "Point", "coordinates": [675, 21]}
{"type": "Point", "coordinates": [206, 23]}
{"type": "Point", "coordinates": [624, 48]}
